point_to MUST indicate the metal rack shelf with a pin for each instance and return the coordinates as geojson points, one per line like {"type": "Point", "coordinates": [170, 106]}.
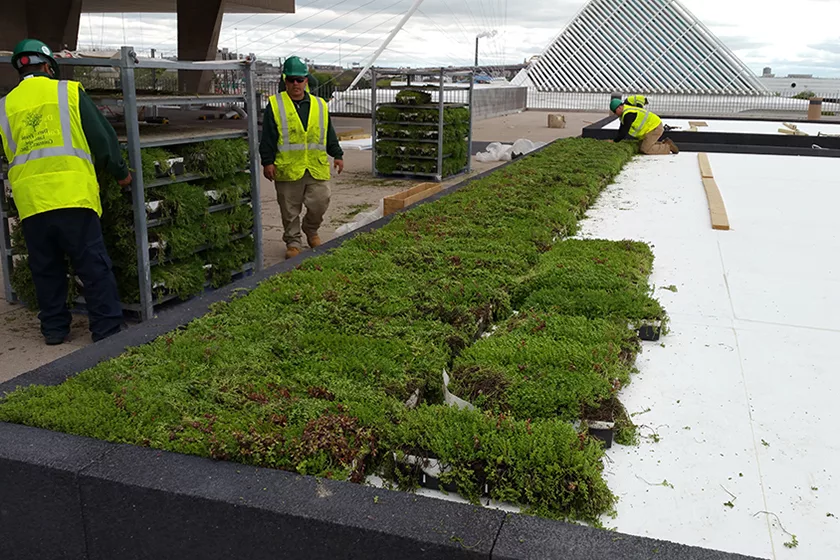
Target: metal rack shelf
{"type": "Point", "coordinates": [409, 123]}
{"type": "Point", "coordinates": [406, 140]}
{"type": "Point", "coordinates": [159, 100]}
{"type": "Point", "coordinates": [182, 135]}
{"type": "Point", "coordinates": [157, 222]}
{"type": "Point", "coordinates": [135, 138]}
{"type": "Point", "coordinates": [421, 72]}
{"type": "Point", "coordinates": [185, 178]}
{"type": "Point", "coordinates": [136, 308]}
{"type": "Point", "coordinates": [248, 267]}
{"type": "Point", "coordinates": [432, 158]}
{"type": "Point", "coordinates": [429, 105]}
{"type": "Point", "coordinates": [441, 87]}
{"type": "Point", "coordinates": [430, 86]}
{"type": "Point", "coordinates": [237, 237]}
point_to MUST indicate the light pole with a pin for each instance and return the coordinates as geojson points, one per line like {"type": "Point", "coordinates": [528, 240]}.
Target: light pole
{"type": "Point", "coordinates": [480, 36]}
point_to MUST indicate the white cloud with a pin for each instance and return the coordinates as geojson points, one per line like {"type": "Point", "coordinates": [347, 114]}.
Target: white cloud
{"type": "Point", "coordinates": [443, 32]}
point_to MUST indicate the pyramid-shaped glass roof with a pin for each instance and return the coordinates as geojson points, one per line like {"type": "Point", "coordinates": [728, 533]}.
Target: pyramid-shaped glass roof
{"type": "Point", "coordinates": [640, 46]}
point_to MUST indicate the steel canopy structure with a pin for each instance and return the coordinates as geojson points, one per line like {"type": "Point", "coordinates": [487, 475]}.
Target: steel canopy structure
{"type": "Point", "coordinates": [644, 46]}
{"type": "Point", "coordinates": [169, 6]}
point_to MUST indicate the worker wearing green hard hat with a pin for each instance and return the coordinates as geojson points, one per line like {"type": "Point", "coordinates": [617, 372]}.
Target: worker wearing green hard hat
{"type": "Point", "coordinates": [644, 126]}
{"type": "Point", "coordinates": [32, 52]}
{"type": "Point", "coordinates": [55, 139]}
{"type": "Point", "coordinates": [296, 68]}
{"type": "Point", "coordinates": [636, 101]}
{"type": "Point", "coordinates": [298, 136]}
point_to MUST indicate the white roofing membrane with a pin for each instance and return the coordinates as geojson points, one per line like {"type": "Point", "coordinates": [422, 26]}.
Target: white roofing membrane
{"type": "Point", "coordinates": [745, 127]}
{"type": "Point", "coordinates": [742, 392]}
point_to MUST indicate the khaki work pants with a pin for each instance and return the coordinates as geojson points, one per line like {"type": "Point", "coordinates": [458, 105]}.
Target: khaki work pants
{"type": "Point", "coordinates": [651, 145]}
{"type": "Point", "coordinates": [292, 197]}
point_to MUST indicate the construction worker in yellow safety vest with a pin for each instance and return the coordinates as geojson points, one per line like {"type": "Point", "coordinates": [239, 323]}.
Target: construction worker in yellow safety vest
{"type": "Point", "coordinates": [297, 139]}
{"type": "Point", "coordinates": [644, 126]}
{"type": "Point", "coordinates": [637, 101]}
{"type": "Point", "coordinates": [54, 139]}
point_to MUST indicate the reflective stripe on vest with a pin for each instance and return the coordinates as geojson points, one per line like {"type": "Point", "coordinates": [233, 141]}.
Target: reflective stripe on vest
{"type": "Point", "coordinates": [51, 166]}
{"type": "Point", "coordinates": [301, 148]}
{"type": "Point", "coordinates": [285, 144]}
{"type": "Point", "coordinates": [637, 100]}
{"type": "Point", "coordinates": [643, 126]}
{"type": "Point", "coordinates": [66, 149]}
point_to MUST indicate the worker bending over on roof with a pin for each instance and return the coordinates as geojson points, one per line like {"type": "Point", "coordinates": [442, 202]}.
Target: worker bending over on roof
{"type": "Point", "coordinates": [637, 101]}
{"type": "Point", "coordinates": [644, 126]}
{"type": "Point", "coordinates": [297, 138]}
{"type": "Point", "coordinates": [54, 139]}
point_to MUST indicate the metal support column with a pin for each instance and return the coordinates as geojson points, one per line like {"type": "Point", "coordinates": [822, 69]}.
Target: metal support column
{"type": "Point", "coordinates": [470, 137]}
{"type": "Point", "coordinates": [138, 189]}
{"type": "Point", "coordinates": [253, 110]}
{"type": "Point", "coordinates": [439, 175]}
{"type": "Point", "coordinates": [6, 243]}
{"type": "Point", "coordinates": [373, 106]}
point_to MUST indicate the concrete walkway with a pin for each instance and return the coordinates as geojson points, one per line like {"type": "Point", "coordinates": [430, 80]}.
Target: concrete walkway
{"type": "Point", "coordinates": [22, 347]}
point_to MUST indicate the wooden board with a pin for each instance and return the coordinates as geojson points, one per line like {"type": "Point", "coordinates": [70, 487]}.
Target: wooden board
{"type": "Point", "coordinates": [705, 166]}
{"type": "Point", "coordinates": [353, 134]}
{"type": "Point", "coordinates": [354, 137]}
{"type": "Point", "coordinates": [397, 202]}
{"type": "Point", "coordinates": [697, 123]}
{"type": "Point", "coordinates": [717, 209]}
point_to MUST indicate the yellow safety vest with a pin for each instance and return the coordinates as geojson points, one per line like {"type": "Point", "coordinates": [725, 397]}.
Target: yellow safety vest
{"type": "Point", "coordinates": [299, 150]}
{"type": "Point", "coordinates": [645, 121]}
{"type": "Point", "coordinates": [50, 162]}
{"type": "Point", "coordinates": [637, 101]}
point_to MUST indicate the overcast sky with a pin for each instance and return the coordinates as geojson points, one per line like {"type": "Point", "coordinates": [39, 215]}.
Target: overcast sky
{"type": "Point", "coordinates": [801, 37]}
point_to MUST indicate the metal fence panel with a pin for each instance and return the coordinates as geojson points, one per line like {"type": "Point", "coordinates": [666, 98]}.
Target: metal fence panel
{"type": "Point", "coordinates": [778, 105]}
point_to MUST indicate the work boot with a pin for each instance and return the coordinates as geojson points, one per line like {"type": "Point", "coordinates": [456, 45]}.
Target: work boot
{"type": "Point", "coordinates": [292, 252]}
{"type": "Point", "coordinates": [674, 148]}
{"type": "Point", "coordinates": [55, 339]}
{"type": "Point", "coordinates": [314, 240]}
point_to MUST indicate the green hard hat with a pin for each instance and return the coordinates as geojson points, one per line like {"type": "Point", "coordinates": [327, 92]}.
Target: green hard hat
{"type": "Point", "coordinates": [295, 67]}
{"type": "Point", "coordinates": [614, 104]}
{"type": "Point", "coordinates": [33, 51]}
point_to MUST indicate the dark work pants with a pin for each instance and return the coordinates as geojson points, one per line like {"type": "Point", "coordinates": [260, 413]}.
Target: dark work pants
{"type": "Point", "coordinates": [77, 234]}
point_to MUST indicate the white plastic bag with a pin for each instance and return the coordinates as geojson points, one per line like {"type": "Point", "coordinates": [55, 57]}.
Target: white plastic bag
{"type": "Point", "coordinates": [496, 151]}
{"type": "Point", "coordinates": [362, 220]}
{"type": "Point", "coordinates": [506, 152]}
{"type": "Point", "coordinates": [524, 146]}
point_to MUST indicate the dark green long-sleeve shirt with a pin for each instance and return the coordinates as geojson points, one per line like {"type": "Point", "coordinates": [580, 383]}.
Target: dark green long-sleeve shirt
{"type": "Point", "coordinates": [101, 137]}
{"type": "Point", "coordinates": [271, 133]}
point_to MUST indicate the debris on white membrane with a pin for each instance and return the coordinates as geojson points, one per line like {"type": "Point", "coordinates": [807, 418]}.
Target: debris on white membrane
{"type": "Point", "coordinates": [742, 391]}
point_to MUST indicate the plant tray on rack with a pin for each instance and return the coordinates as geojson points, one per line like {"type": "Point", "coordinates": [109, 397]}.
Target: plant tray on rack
{"type": "Point", "coordinates": [397, 202]}
{"type": "Point", "coordinates": [169, 167]}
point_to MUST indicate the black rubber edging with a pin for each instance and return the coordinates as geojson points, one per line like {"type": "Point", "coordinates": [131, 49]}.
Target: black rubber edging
{"type": "Point", "coordinates": [736, 143]}
{"type": "Point", "coordinates": [67, 496]}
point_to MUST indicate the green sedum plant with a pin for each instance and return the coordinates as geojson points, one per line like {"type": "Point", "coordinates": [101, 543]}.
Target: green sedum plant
{"type": "Point", "coordinates": [335, 369]}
